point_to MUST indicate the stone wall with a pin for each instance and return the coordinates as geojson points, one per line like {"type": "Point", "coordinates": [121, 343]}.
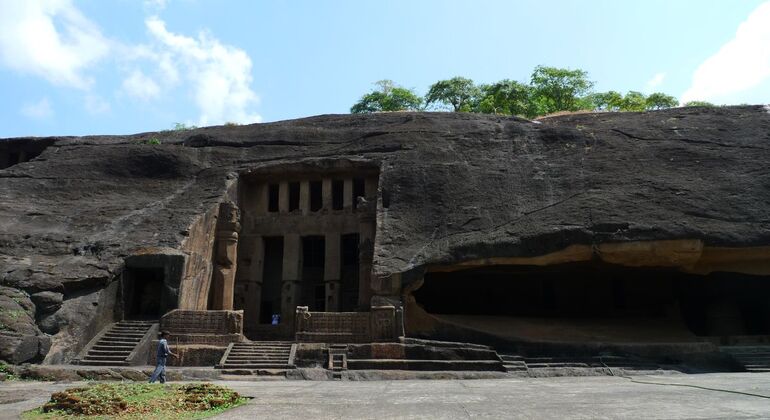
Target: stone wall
{"type": "Point", "coordinates": [379, 325]}
{"type": "Point", "coordinates": [203, 327]}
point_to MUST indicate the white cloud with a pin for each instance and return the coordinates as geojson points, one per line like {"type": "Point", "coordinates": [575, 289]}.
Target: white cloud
{"type": "Point", "coordinates": [653, 83]}
{"type": "Point", "coordinates": [51, 39]}
{"type": "Point", "coordinates": [740, 65]}
{"type": "Point", "coordinates": [141, 86]}
{"type": "Point", "coordinates": [39, 110]}
{"type": "Point", "coordinates": [96, 105]}
{"type": "Point", "coordinates": [219, 74]}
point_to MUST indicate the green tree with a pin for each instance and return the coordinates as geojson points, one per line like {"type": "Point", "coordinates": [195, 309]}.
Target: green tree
{"type": "Point", "coordinates": [660, 100]}
{"type": "Point", "coordinates": [699, 103]}
{"type": "Point", "coordinates": [458, 92]}
{"type": "Point", "coordinates": [556, 89]}
{"type": "Point", "coordinates": [387, 97]}
{"type": "Point", "coordinates": [633, 101]}
{"type": "Point", "coordinates": [607, 101]}
{"type": "Point", "coordinates": [505, 97]}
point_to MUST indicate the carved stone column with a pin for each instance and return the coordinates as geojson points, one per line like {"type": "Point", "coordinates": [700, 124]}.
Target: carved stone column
{"type": "Point", "coordinates": [290, 284]}
{"type": "Point", "coordinates": [367, 227]}
{"type": "Point", "coordinates": [332, 272]}
{"type": "Point", "coordinates": [253, 298]}
{"type": "Point", "coordinates": [228, 225]}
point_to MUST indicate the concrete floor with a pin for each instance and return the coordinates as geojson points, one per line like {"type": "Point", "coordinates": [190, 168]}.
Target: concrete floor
{"type": "Point", "coordinates": [535, 398]}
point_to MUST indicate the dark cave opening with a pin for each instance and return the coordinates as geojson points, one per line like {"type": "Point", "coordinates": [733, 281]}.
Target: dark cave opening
{"type": "Point", "coordinates": [718, 304]}
{"type": "Point", "coordinates": [144, 293]}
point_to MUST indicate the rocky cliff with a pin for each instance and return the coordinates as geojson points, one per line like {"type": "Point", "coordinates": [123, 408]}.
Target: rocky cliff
{"type": "Point", "coordinates": [453, 187]}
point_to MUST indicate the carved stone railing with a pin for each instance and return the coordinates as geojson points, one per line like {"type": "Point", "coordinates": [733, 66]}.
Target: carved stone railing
{"type": "Point", "coordinates": [379, 325]}
{"type": "Point", "coordinates": [218, 327]}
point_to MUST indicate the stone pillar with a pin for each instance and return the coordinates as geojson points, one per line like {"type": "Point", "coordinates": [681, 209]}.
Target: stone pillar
{"type": "Point", "coordinates": [22, 156]}
{"type": "Point", "coordinates": [370, 189]}
{"type": "Point", "coordinates": [332, 271]}
{"type": "Point", "coordinates": [228, 225]}
{"type": "Point", "coordinates": [326, 193]}
{"type": "Point", "coordinates": [347, 191]}
{"type": "Point", "coordinates": [366, 256]}
{"type": "Point", "coordinates": [283, 197]}
{"type": "Point", "coordinates": [262, 198]}
{"type": "Point", "coordinates": [290, 285]}
{"type": "Point", "coordinates": [253, 300]}
{"type": "Point", "coordinates": [304, 197]}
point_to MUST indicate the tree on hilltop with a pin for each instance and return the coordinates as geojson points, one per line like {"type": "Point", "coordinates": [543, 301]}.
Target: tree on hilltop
{"type": "Point", "coordinates": [457, 92]}
{"type": "Point", "coordinates": [387, 97]}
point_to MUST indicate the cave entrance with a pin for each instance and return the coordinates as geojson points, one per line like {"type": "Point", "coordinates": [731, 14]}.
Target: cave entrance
{"type": "Point", "coordinates": [591, 301]}
{"type": "Point", "coordinates": [144, 293]}
{"type": "Point", "coordinates": [271, 275]}
{"type": "Point", "coordinates": [313, 288]}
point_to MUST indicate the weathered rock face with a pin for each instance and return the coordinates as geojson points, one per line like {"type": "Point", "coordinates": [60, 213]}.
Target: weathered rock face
{"type": "Point", "coordinates": [20, 339]}
{"type": "Point", "coordinates": [452, 187]}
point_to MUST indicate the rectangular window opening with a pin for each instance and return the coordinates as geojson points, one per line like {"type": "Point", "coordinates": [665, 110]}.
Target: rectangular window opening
{"type": "Point", "coordinates": [293, 196]}
{"type": "Point", "coordinates": [316, 197]}
{"type": "Point", "coordinates": [359, 190]}
{"type": "Point", "coordinates": [272, 198]}
{"type": "Point", "coordinates": [338, 187]}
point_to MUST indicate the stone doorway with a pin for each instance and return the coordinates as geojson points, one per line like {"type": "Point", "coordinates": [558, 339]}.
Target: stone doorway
{"type": "Point", "coordinates": [144, 293]}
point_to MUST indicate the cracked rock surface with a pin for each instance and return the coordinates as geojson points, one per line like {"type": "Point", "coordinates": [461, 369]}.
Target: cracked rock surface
{"type": "Point", "coordinates": [453, 187]}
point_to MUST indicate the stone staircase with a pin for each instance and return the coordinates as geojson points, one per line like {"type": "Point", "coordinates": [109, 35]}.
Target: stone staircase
{"type": "Point", "coordinates": [620, 362]}
{"type": "Point", "coordinates": [115, 345]}
{"type": "Point", "coordinates": [754, 358]}
{"type": "Point", "coordinates": [257, 355]}
{"type": "Point", "coordinates": [423, 355]}
{"type": "Point", "coordinates": [338, 360]}
{"type": "Point", "coordinates": [513, 363]}
{"type": "Point", "coordinates": [517, 363]}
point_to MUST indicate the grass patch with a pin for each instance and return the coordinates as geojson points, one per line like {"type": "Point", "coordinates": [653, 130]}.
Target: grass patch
{"type": "Point", "coordinates": [139, 401]}
{"type": "Point", "coordinates": [7, 370]}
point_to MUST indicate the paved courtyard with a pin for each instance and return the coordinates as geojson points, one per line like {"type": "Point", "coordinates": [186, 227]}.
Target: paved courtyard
{"type": "Point", "coordinates": [526, 398]}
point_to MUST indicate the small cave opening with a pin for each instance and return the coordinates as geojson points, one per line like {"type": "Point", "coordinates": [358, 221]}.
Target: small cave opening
{"type": "Point", "coordinates": [144, 293]}
{"type": "Point", "coordinates": [597, 295]}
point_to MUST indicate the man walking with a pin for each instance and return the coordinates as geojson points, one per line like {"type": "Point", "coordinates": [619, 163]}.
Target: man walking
{"type": "Point", "coordinates": [163, 352]}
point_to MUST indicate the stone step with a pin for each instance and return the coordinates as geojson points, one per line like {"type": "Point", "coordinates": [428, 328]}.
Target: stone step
{"type": "Point", "coordinates": [90, 356]}
{"type": "Point", "coordinates": [101, 346]}
{"type": "Point", "coordinates": [261, 347]}
{"type": "Point", "coordinates": [255, 366]}
{"type": "Point", "coordinates": [124, 337]}
{"type": "Point", "coordinates": [116, 340]}
{"type": "Point", "coordinates": [96, 352]}
{"type": "Point", "coordinates": [758, 359]}
{"type": "Point", "coordinates": [103, 363]}
{"type": "Point", "coordinates": [128, 330]}
{"type": "Point", "coordinates": [414, 364]}
{"type": "Point", "coordinates": [556, 365]}
{"type": "Point", "coordinates": [745, 349]}
{"type": "Point", "coordinates": [282, 354]}
{"type": "Point", "coordinates": [508, 357]}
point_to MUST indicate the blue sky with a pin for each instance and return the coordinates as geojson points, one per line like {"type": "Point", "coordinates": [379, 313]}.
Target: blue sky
{"type": "Point", "coordinates": [122, 66]}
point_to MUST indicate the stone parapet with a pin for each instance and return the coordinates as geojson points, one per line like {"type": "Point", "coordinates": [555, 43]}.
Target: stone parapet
{"type": "Point", "coordinates": [216, 327]}
{"type": "Point", "coordinates": [379, 325]}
